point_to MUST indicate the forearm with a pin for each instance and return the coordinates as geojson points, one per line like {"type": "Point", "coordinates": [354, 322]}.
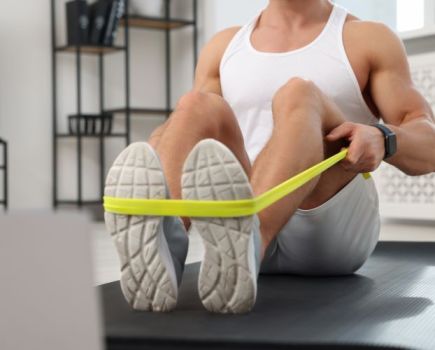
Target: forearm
{"type": "Point", "coordinates": [415, 147]}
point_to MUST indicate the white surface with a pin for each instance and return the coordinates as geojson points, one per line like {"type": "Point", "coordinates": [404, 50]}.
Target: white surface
{"type": "Point", "coordinates": [410, 15]}
{"type": "Point", "coordinates": [147, 8]}
{"type": "Point", "coordinates": [48, 301]}
{"type": "Point", "coordinates": [25, 99]}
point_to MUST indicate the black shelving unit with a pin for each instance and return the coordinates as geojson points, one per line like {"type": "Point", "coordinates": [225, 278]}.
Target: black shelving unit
{"type": "Point", "coordinates": [4, 169]}
{"type": "Point", "coordinates": [166, 24]}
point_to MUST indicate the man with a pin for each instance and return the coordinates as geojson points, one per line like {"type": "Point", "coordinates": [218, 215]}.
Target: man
{"type": "Point", "coordinates": [271, 99]}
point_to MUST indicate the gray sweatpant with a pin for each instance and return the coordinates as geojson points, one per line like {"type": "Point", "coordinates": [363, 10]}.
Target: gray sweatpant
{"type": "Point", "coordinates": [333, 239]}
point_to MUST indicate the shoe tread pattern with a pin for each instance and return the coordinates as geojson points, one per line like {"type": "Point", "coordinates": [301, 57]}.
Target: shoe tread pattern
{"type": "Point", "coordinates": [145, 281]}
{"type": "Point", "coordinates": [226, 284]}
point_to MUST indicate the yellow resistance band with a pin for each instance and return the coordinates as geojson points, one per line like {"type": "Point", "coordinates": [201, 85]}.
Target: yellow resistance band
{"type": "Point", "coordinates": [233, 208]}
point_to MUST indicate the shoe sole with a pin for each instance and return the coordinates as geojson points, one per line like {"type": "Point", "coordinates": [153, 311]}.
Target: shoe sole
{"type": "Point", "coordinates": [148, 279]}
{"type": "Point", "coordinates": [227, 282]}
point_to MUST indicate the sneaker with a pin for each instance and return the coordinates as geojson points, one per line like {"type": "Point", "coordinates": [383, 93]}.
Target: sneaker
{"type": "Point", "coordinates": [152, 249]}
{"type": "Point", "coordinates": [228, 274]}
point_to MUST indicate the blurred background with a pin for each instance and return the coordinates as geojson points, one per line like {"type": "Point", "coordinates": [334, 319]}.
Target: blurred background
{"type": "Point", "coordinates": [81, 79]}
{"type": "Point", "coordinates": [69, 102]}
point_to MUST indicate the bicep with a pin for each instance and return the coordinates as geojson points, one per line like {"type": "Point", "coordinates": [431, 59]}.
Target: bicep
{"type": "Point", "coordinates": [391, 85]}
{"type": "Point", "coordinates": [207, 70]}
{"type": "Point", "coordinates": [207, 74]}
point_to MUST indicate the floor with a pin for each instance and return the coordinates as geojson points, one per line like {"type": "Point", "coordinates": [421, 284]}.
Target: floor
{"type": "Point", "coordinates": [107, 263]}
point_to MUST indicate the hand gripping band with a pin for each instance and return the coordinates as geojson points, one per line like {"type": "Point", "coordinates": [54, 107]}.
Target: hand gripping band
{"type": "Point", "coordinates": [224, 209]}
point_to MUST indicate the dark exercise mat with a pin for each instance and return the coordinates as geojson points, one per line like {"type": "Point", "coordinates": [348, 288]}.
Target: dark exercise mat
{"type": "Point", "coordinates": [388, 303]}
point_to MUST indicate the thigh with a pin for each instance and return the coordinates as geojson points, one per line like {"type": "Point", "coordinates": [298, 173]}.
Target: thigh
{"type": "Point", "coordinates": [300, 95]}
{"type": "Point", "coordinates": [200, 115]}
{"type": "Point", "coordinates": [336, 178]}
{"type": "Point", "coordinates": [333, 239]}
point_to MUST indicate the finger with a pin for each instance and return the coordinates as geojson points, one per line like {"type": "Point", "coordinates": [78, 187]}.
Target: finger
{"type": "Point", "coordinates": [356, 168]}
{"type": "Point", "coordinates": [348, 167]}
{"type": "Point", "coordinates": [355, 153]}
{"type": "Point", "coordinates": [343, 131]}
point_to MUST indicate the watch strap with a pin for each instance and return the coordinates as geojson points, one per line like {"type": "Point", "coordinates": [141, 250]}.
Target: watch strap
{"type": "Point", "coordinates": [389, 139]}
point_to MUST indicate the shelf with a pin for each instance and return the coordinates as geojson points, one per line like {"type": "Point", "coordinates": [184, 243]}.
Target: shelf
{"type": "Point", "coordinates": [139, 111]}
{"type": "Point", "coordinates": [146, 22]}
{"type": "Point", "coordinates": [90, 49]}
{"type": "Point", "coordinates": [90, 136]}
{"type": "Point", "coordinates": [123, 113]}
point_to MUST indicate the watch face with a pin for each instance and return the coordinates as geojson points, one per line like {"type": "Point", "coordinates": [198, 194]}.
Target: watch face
{"type": "Point", "coordinates": [390, 144]}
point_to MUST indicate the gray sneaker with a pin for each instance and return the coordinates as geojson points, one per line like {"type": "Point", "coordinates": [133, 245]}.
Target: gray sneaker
{"type": "Point", "coordinates": [152, 250]}
{"type": "Point", "coordinates": [228, 275]}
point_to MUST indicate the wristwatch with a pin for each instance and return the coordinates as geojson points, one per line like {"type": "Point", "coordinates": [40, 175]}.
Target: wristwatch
{"type": "Point", "coordinates": [390, 140]}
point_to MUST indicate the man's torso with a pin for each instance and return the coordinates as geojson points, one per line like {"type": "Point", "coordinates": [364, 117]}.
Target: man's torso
{"type": "Point", "coordinates": [243, 70]}
{"type": "Point", "coordinates": [354, 40]}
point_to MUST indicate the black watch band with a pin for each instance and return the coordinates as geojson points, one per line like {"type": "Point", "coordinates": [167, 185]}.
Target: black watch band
{"type": "Point", "coordinates": [390, 140]}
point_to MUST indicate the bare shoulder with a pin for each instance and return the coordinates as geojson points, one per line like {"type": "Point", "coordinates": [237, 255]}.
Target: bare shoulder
{"type": "Point", "coordinates": [225, 36]}
{"type": "Point", "coordinates": [216, 47]}
{"type": "Point", "coordinates": [370, 30]}
{"type": "Point", "coordinates": [376, 41]}
{"type": "Point", "coordinates": [207, 70]}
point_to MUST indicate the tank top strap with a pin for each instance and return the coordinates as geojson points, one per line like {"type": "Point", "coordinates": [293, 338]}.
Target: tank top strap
{"type": "Point", "coordinates": [239, 41]}
{"type": "Point", "coordinates": [332, 35]}
{"type": "Point", "coordinates": [337, 20]}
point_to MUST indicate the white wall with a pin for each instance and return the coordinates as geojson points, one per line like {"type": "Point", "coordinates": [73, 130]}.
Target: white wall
{"type": "Point", "coordinates": [221, 14]}
{"type": "Point", "coordinates": [374, 10]}
{"type": "Point", "coordinates": [25, 97]}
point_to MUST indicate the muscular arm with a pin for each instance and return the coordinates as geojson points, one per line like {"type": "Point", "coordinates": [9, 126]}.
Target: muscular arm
{"type": "Point", "coordinates": [401, 106]}
{"type": "Point", "coordinates": [207, 78]}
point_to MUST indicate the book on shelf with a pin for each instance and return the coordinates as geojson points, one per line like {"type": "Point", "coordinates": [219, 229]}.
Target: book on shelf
{"type": "Point", "coordinates": [98, 13]}
{"type": "Point", "coordinates": [77, 18]}
{"type": "Point", "coordinates": [114, 14]}
{"type": "Point", "coordinates": [94, 24]}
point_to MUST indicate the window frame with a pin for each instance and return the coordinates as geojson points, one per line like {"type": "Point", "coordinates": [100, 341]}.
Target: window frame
{"type": "Point", "coordinates": [429, 24]}
{"type": "Point", "coordinates": [429, 13]}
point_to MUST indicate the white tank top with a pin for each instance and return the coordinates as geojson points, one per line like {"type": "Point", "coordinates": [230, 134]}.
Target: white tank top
{"type": "Point", "coordinates": [250, 78]}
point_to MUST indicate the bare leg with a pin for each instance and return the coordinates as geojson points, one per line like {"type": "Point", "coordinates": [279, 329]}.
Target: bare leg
{"type": "Point", "coordinates": [302, 116]}
{"type": "Point", "coordinates": [197, 116]}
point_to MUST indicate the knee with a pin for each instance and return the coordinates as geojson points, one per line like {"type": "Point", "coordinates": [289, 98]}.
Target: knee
{"type": "Point", "coordinates": [296, 90]}
{"type": "Point", "coordinates": [192, 100]}
{"type": "Point", "coordinates": [196, 101]}
{"type": "Point", "coordinates": [297, 93]}
{"type": "Point", "coordinates": [206, 109]}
